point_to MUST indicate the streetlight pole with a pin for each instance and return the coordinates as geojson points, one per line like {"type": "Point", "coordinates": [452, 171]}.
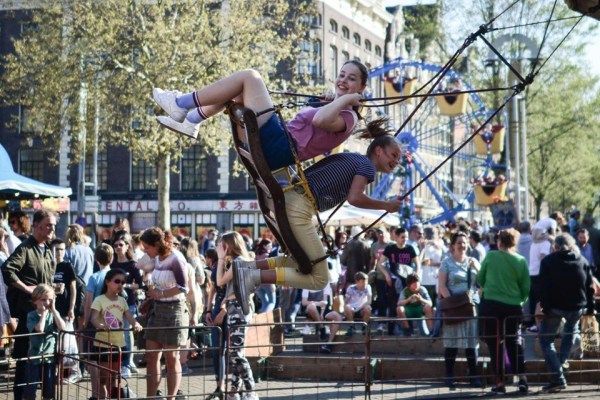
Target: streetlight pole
{"type": "Point", "coordinates": [83, 92]}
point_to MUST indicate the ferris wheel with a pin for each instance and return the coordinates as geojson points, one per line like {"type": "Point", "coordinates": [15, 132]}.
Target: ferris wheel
{"type": "Point", "coordinates": [471, 177]}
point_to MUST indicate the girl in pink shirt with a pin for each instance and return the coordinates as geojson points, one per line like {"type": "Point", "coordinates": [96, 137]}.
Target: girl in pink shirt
{"type": "Point", "coordinates": [314, 131]}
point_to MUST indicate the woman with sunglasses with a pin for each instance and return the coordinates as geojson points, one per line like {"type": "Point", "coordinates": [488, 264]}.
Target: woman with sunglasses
{"type": "Point", "coordinates": [168, 289]}
{"type": "Point", "coordinates": [124, 260]}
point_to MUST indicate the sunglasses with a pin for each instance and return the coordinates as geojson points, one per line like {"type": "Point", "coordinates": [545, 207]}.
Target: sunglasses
{"type": "Point", "coordinates": [119, 281]}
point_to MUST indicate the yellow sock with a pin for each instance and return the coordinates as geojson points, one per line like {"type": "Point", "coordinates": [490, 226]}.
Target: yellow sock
{"type": "Point", "coordinates": [280, 276]}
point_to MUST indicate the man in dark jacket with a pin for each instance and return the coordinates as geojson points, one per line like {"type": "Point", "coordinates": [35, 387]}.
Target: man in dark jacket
{"type": "Point", "coordinates": [566, 279]}
{"type": "Point", "coordinates": [356, 256]}
{"type": "Point", "coordinates": [29, 265]}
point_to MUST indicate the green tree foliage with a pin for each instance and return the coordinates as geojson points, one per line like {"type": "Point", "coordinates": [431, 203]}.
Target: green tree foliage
{"type": "Point", "coordinates": [80, 53]}
{"type": "Point", "coordinates": [423, 21]}
{"type": "Point", "coordinates": [561, 102]}
{"type": "Point", "coordinates": [563, 142]}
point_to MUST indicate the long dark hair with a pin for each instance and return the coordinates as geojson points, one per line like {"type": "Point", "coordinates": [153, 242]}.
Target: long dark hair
{"type": "Point", "coordinates": [126, 238]}
{"type": "Point", "coordinates": [110, 276]}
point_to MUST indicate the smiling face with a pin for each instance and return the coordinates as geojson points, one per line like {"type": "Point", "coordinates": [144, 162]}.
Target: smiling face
{"type": "Point", "coordinates": [460, 246]}
{"type": "Point", "coordinates": [386, 158]}
{"type": "Point", "coordinates": [349, 80]}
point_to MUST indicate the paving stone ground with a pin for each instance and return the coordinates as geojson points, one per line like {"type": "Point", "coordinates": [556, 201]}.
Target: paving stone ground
{"type": "Point", "coordinates": [201, 382]}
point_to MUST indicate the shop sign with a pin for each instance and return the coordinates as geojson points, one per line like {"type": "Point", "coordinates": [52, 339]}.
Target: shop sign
{"type": "Point", "coordinates": [124, 206]}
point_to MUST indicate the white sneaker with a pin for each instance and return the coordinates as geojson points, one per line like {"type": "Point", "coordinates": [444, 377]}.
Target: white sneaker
{"type": "Point", "coordinates": [249, 396]}
{"type": "Point", "coordinates": [232, 396]}
{"type": "Point", "coordinates": [73, 378]}
{"type": "Point", "coordinates": [186, 127]}
{"type": "Point", "coordinates": [125, 373]}
{"type": "Point", "coordinates": [166, 99]}
{"type": "Point", "coordinates": [306, 330]}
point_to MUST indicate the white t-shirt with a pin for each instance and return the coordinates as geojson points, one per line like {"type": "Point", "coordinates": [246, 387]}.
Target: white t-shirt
{"type": "Point", "coordinates": [545, 224]}
{"type": "Point", "coordinates": [538, 251]}
{"type": "Point", "coordinates": [430, 273]}
{"type": "Point", "coordinates": [357, 298]}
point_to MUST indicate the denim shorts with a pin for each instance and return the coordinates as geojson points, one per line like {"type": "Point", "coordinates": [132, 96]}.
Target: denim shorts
{"type": "Point", "coordinates": [275, 144]}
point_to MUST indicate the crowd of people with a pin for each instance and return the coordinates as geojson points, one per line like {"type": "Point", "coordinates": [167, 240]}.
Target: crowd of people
{"type": "Point", "coordinates": [158, 287]}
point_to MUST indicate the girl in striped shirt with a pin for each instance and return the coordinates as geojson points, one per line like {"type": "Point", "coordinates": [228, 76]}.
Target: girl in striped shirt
{"type": "Point", "coordinates": [333, 180]}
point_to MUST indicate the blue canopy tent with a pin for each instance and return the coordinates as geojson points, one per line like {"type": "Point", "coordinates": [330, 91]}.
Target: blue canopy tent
{"type": "Point", "coordinates": [14, 186]}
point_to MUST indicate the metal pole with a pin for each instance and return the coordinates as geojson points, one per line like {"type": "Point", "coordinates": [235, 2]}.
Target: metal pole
{"type": "Point", "coordinates": [95, 166]}
{"type": "Point", "coordinates": [514, 133]}
{"type": "Point", "coordinates": [524, 163]}
{"type": "Point", "coordinates": [82, 139]}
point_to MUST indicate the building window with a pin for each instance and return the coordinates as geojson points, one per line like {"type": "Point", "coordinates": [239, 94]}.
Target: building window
{"type": "Point", "coordinates": [378, 51]}
{"type": "Point", "coordinates": [309, 59]}
{"type": "Point", "coordinates": [356, 38]}
{"type": "Point", "coordinates": [333, 26]}
{"type": "Point", "coordinates": [317, 20]}
{"type": "Point", "coordinates": [367, 45]}
{"type": "Point", "coordinates": [102, 169]}
{"type": "Point", "coordinates": [314, 64]}
{"type": "Point", "coordinates": [345, 32]}
{"type": "Point", "coordinates": [333, 62]}
{"type": "Point", "coordinates": [194, 175]}
{"type": "Point", "coordinates": [143, 176]}
{"type": "Point", "coordinates": [31, 163]}
{"type": "Point", "coordinates": [345, 56]}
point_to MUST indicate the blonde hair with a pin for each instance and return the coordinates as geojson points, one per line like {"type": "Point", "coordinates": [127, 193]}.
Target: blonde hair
{"type": "Point", "coordinates": [41, 290]}
{"type": "Point", "coordinates": [236, 245]}
{"type": "Point", "coordinates": [74, 235]}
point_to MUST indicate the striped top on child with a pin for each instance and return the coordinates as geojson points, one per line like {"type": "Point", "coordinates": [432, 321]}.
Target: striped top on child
{"type": "Point", "coordinates": [331, 178]}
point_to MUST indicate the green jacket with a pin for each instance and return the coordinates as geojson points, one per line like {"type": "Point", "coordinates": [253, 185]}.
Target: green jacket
{"type": "Point", "coordinates": [31, 264]}
{"type": "Point", "coordinates": [504, 277]}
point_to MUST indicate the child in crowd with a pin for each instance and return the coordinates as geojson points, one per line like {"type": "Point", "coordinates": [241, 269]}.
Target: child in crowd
{"type": "Point", "coordinates": [414, 302]}
{"type": "Point", "coordinates": [45, 321]}
{"type": "Point", "coordinates": [107, 314]}
{"type": "Point", "coordinates": [232, 247]}
{"type": "Point", "coordinates": [65, 286]}
{"type": "Point", "coordinates": [103, 256]}
{"type": "Point", "coordinates": [358, 301]}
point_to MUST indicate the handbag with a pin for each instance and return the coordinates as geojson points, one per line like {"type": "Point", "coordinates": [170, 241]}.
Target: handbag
{"type": "Point", "coordinates": [459, 307]}
{"type": "Point", "coordinates": [69, 347]}
{"type": "Point", "coordinates": [146, 306]}
{"type": "Point", "coordinates": [590, 335]}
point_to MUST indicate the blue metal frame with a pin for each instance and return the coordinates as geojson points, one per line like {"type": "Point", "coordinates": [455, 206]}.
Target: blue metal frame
{"type": "Point", "coordinates": [411, 143]}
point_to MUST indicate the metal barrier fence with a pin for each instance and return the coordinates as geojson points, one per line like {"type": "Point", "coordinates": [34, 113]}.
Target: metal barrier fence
{"type": "Point", "coordinates": [366, 364]}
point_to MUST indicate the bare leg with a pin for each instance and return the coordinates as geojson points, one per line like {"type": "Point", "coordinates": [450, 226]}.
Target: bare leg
{"type": "Point", "coordinates": [400, 313]}
{"type": "Point", "coordinates": [247, 83]}
{"type": "Point", "coordinates": [153, 366]}
{"type": "Point", "coordinates": [173, 373]}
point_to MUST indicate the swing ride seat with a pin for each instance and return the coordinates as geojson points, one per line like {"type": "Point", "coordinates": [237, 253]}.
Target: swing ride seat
{"type": "Point", "coordinates": [269, 192]}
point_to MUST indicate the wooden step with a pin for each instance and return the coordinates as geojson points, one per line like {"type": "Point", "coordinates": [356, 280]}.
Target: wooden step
{"type": "Point", "coordinates": [333, 367]}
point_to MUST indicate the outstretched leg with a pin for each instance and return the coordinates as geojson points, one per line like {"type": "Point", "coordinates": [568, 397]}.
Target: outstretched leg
{"type": "Point", "coordinates": [186, 111]}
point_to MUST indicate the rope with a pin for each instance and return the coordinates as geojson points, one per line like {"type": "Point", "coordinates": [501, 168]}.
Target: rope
{"type": "Point", "coordinates": [452, 154]}
{"type": "Point", "coordinates": [537, 57]}
{"type": "Point", "coordinates": [557, 46]}
{"type": "Point", "coordinates": [532, 23]}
